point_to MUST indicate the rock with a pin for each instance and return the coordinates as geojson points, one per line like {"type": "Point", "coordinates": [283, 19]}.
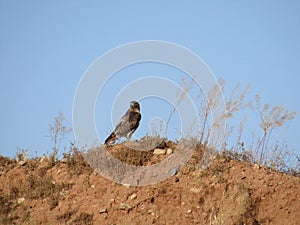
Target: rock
{"type": "Point", "coordinates": [111, 200]}
{"type": "Point", "coordinates": [126, 185]}
{"type": "Point", "coordinates": [22, 163]}
{"type": "Point", "coordinates": [172, 171]}
{"type": "Point", "coordinates": [102, 211]}
{"type": "Point", "coordinates": [159, 151]}
{"type": "Point", "coordinates": [124, 206]}
{"type": "Point", "coordinates": [189, 211]}
{"type": "Point", "coordinates": [93, 186]}
{"type": "Point", "coordinates": [21, 200]}
{"type": "Point", "coordinates": [133, 196]}
{"type": "Point", "coordinates": [195, 190]}
{"type": "Point", "coordinates": [256, 166]}
{"type": "Point", "coordinates": [169, 151]}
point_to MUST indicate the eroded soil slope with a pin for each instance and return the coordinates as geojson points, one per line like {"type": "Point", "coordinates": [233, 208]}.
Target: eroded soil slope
{"type": "Point", "coordinates": [38, 191]}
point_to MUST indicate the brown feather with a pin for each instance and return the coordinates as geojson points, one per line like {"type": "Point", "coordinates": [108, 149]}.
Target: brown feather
{"type": "Point", "coordinates": [127, 125]}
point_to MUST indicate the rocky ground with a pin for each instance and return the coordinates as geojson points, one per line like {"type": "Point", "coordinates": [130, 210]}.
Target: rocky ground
{"type": "Point", "coordinates": [41, 191]}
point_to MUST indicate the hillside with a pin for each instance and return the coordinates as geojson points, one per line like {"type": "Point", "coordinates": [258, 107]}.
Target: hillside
{"type": "Point", "coordinates": [39, 191]}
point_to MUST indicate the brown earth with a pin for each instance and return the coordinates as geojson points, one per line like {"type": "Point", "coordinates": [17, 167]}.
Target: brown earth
{"type": "Point", "coordinates": [39, 191]}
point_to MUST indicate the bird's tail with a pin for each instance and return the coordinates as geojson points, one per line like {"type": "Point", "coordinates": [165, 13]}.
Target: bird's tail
{"type": "Point", "coordinates": [112, 137]}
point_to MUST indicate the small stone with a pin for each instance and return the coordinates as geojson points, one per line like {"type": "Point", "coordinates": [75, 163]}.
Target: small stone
{"type": "Point", "coordinates": [169, 151]}
{"type": "Point", "coordinates": [195, 190]}
{"type": "Point", "coordinates": [256, 166]}
{"type": "Point", "coordinates": [172, 171]}
{"type": "Point", "coordinates": [53, 182]}
{"type": "Point", "coordinates": [150, 211]}
{"type": "Point", "coordinates": [21, 200]}
{"type": "Point", "coordinates": [22, 163]}
{"type": "Point", "coordinates": [189, 211]}
{"type": "Point", "coordinates": [124, 206]}
{"type": "Point", "coordinates": [159, 151]}
{"type": "Point", "coordinates": [126, 185]}
{"type": "Point", "coordinates": [102, 211]}
{"type": "Point", "coordinates": [93, 186]}
{"type": "Point", "coordinates": [111, 200]}
{"type": "Point", "coordinates": [61, 193]}
{"type": "Point", "coordinates": [133, 196]}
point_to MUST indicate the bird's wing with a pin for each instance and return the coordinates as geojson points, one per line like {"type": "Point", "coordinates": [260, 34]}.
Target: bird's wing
{"type": "Point", "coordinates": [123, 127]}
{"type": "Point", "coordinates": [134, 120]}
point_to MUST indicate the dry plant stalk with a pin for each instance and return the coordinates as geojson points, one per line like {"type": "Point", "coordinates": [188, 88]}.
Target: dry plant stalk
{"type": "Point", "coordinates": [270, 118]}
{"type": "Point", "coordinates": [57, 133]}
{"type": "Point", "coordinates": [181, 94]}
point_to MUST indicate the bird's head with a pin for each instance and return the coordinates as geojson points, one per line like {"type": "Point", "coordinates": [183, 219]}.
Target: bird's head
{"type": "Point", "coordinates": [135, 105]}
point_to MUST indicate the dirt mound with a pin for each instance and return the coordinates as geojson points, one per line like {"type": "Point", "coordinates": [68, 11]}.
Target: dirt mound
{"type": "Point", "coordinates": [69, 192]}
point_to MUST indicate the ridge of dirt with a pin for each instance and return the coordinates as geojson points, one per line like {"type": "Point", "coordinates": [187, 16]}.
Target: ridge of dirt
{"type": "Point", "coordinates": [70, 192]}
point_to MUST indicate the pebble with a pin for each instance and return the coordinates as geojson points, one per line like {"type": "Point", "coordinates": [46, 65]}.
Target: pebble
{"type": "Point", "coordinates": [102, 211]}
{"type": "Point", "coordinates": [172, 171]}
{"type": "Point", "coordinates": [256, 166]}
{"type": "Point", "coordinates": [189, 211]}
{"type": "Point", "coordinates": [22, 163]}
{"type": "Point", "coordinates": [133, 196]}
{"type": "Point", "coordinates": [21, 200]}
{"type": "Point", "coordinates": [126, 185]}
{"type": "Point", "coordinates": [124, 206]}
{"type": "Point", "coordinates": [195, 190]}
{"type": "Point", "coordinates": [93, 186]}
{"type": "Point", "coordinates": [159, 151]}
{"type": "Point", "coordinates": [169, 151]}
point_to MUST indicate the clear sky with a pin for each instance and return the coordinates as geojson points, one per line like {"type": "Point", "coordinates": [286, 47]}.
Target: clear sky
{"type": "Point", "coordinates": [46, 46]}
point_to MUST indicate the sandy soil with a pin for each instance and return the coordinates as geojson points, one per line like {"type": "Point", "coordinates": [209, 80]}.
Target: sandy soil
{"type": "Point", "coordinates": [38, 191]}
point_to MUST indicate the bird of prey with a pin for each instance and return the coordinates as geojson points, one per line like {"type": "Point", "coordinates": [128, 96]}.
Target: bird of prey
{"type": "Point", "coordinates": [127, 125]}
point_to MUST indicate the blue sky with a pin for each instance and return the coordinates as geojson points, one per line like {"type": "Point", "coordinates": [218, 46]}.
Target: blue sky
{"type": "Point", "coordinates": [46, 46]}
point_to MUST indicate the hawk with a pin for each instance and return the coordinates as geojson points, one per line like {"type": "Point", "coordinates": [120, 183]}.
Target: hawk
{"type": "Point", "coordinates": [128, 123]}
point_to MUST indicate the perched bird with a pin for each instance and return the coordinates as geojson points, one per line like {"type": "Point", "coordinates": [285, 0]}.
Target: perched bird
{"type": "Point", "coordinates": [128, 123]}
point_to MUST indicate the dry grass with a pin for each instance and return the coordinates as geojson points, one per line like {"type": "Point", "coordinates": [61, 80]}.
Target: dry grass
{"type": "Point", "coordinates": [57, 132]}
{"type": "Point", "coordinates": [270, 118]}
{"type": "Point", "coordinates": [263, 151]}
{"type": "Point", "coordinates": [76, 163]}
